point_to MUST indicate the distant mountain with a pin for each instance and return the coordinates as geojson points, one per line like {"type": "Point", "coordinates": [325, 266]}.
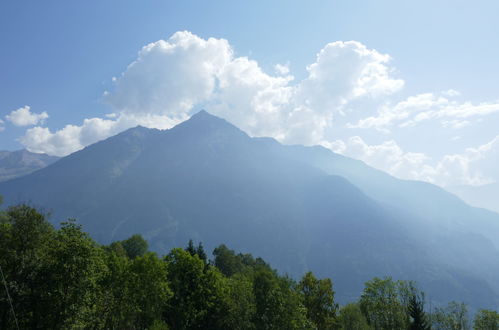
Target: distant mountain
{"type": "Point", "coordinates": [300, 208]}
{"type": "Point", "coordinates": [486, 196]}
{"type": "Point", "coordinates": [14, 164]}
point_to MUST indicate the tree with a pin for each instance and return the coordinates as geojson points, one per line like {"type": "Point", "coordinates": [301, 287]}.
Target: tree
{"type": "Point", "coordinates": [201, 254]}
{"type": "Point", "coordinates": [227, 261]}
{"type": "Point", "coordinates": [135, 246]}
{"type": "Point", "coordinates": [25, 237]}
{"type": "Point", "coordinates": [71, 275]}
{"type": "Point", "coordinates": [454, 316]}
{"type": "Point", "coordinates": [278, 306]}
{"type": "Point", "coordinates": [381, 304]}
{"type": "Point", "coordinates": [350, 317]}
{"type": "Point", "coordinates": [318, 299]}
{"type": "Point", "coordinates": [417, 314]}
{"type": "Point", "coordinates": [486, 320]}
{"type": "Point", "coordinates": [190, 248]}
{"type": "Point", "coordinates": [148, 289]}
{"type": "Point", "coordinates": [242, 306]}
{"type": "Point", "coordinates": [198, 299]}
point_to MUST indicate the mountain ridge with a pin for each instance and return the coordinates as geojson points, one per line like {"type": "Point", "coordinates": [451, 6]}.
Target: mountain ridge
{"type": "Point", "coordinates": [17, 163]}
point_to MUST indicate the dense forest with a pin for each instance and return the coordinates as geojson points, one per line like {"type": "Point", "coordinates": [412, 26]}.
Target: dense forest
{"type": "Point", "coordinates": [62, 279]}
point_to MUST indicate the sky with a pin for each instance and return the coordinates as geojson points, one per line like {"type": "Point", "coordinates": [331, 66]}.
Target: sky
{"type": "Point", "coordinates": [409, 87]}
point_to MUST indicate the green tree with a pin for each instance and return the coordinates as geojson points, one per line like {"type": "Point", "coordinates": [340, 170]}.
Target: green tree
{"type": "Point", "coordinates": [486, 320]}
{"type": "Point", "coordinates": [199, 295]}
{"type": "Point", "coordinates": [381, 304]}
{"type": "Point", "coordinates": [241, 305]}
{"type": "Point", "coordinates": [227, 261]}
{"type": "Point", "coordinates": [351, 317]}
{"type": "Point", "coordinates": [190, 248]}
{"type": "Point", "coordinates": [71, 273]}
{"type": "Point", "coordinates": [278, 305]}
{"type": "Point", "coordinates": [25, 238]}
{"type": "Point", "coordinates": [201, 254]}
{"type": "Point", "coordinates": [318, 298]}
{"type": "Point", "coordinates": [52, 275]}
{"type": "Point", "coordinates": [135, 246]}
{"type": "Point", "coordinates": [135, 291]}
{"type": "Point", "coordinates": [454, 316]}
{"type": "Point", "coordinates": [417, 314]}
{"type": "Point", "coordinates": [116, 309]}
{"type": "Point", "coordinates": [148, 289]}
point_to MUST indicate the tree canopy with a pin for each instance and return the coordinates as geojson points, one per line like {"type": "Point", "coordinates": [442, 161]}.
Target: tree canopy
{"type": "Point", "coordinates": [61, 278]}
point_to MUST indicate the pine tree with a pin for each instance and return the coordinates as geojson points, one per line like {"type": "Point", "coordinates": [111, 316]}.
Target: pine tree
{"type": "Point", "coordinates": [190, 248]}
{"type": "Point", "coordinates": [417, 314]}
{"type": "Point", "coordinates": [201, 254]}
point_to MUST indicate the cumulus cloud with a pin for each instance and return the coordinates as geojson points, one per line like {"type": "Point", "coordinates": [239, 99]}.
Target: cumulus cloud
{"type": "Point", "coordinates": [1, 125]}
{"type": "Point", "coordinates": [475, 166]}
{"type": "Point", "coordinates": [282, 69]}
{"type": "Point", "coordinates": [72, 138]}
{"type": "Point", "coordinates": [344, 71]}
{"type": "Point", "coordinates": [387, 156]}
{"type": "Point", "coordinates": [171, 78]}
{"type": "Point", "coordinates": [424, 107]}
{"type": "Point", "coordinates": [24, 117]}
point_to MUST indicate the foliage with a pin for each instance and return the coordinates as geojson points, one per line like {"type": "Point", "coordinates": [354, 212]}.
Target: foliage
{"type": "Point", "coordinates": [135, 246]}
{"type": "Point", "coordinates": [25, 239]}
{"type": "Point", "coordinates": [198, 295]}
{"type": "Point", "coordinates": [60, 279]}
{"type": "Point", "coordinates": [318, 298]}
{"type": "Point", "coordinates": [351, 317]}
{"type": "Point", "coordinates": [382, 304]}
{"type": "Point", "coordinates": [486, 320]}
{"type": "Point", "coordinates": [417, 314]}
{"type": "Point", "coordinates": [454, 316]}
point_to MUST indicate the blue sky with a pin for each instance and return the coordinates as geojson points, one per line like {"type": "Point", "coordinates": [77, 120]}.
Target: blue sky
{"type": "Point", "coordinates": [424, 105]}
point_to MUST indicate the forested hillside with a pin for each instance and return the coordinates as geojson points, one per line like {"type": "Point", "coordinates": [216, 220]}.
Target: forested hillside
{"type": "Point", "coordinates": [62, 279]}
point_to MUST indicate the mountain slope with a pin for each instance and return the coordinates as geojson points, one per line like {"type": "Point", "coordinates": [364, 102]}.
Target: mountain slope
{"type": "Point", "coordinates": [14, 164]}
{"type": "Point", "coordinates": [486, 196]}
{"type": "Point", "coordinates": [295, 206]}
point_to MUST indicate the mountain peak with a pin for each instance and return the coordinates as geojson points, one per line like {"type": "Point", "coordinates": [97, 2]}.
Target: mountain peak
{"type": "Point", "coordinates": [206, 117]}
{"type": "Point", "coordinates": [205, 123]}
{"type": "Point", "coordinates": [202, 113]}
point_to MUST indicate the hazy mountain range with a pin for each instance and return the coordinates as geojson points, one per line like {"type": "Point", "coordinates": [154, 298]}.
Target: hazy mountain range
{"type": "Point", "coordinates": [298, 207]}
{"type": "Point", "coordinates": [486, 196]}
{"type": "Point", "coordinates": [14, 164]}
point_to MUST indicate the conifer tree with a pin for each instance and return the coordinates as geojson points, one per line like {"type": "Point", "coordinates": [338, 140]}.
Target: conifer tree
{"type": "Point", "coordinates": [417, 314]}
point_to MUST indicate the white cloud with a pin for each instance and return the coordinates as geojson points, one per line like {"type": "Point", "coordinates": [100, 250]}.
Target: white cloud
{"type": "Point", "coordinates": [24, 117]}
{"type": "Point", "coordinates": [170, 77]}
{"type": "Point", "coordinates": [72, 138]}
{"type": "Point", "coordinates": [427, 106]}
{"type": "Point", "coordinates": [282, 69]}
{"type": "Point", "coordinates": [387, 156]}
{"type": "Point", "coordinates": [475, 166]}
{"type": "Point", "coordinates": [344, 71]}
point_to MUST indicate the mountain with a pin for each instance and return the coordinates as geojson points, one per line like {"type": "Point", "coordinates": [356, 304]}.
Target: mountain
{"type": "Point", "coordinates": [300, 208]}
{"type": "Point", "coordinates": [14, 164]}
{"type": "Point", "coordinates": [485, 196]}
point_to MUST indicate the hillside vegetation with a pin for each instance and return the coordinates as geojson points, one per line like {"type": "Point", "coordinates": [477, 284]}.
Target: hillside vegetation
{"type": "Point", "coordinates": [62, 279]}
